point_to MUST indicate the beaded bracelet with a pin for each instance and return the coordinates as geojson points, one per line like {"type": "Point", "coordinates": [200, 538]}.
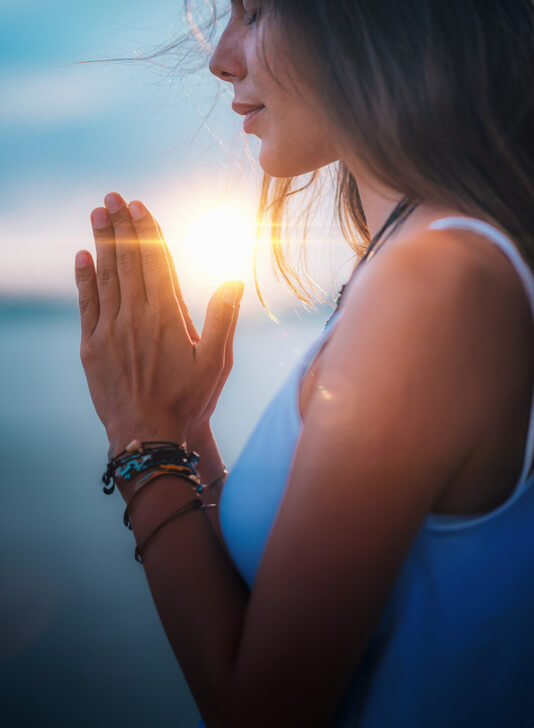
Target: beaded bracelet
{"type": "Point", "coordinates": [140, 456]}
{"type": "Point", "coordinates": [155, 459]}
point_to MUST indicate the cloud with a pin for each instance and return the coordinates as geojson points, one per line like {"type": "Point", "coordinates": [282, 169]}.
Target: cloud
{"type": "Point", "coordinates": [60, 95]}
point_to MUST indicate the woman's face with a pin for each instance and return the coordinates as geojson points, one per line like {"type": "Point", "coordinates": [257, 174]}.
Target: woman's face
{"type": "Point", "coordinates": [294, 133]}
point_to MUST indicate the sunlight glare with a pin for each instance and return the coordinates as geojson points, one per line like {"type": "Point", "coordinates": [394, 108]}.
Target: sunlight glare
{"type": "Point", "coordinates": [219, 244]}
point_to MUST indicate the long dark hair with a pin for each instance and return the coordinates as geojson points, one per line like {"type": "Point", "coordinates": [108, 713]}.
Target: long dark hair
{"type": "Point", "coordinates": [436, 99]}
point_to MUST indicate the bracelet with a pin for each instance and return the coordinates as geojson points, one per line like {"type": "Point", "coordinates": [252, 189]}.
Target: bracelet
{"type": "Point", "coordinates": [152, 475]}
{"type": "Point", "coordinates": [155, 459]}
{"type": "Point", "coordinates": [222, 477]}
{"type": "Point", "coordinates": [140, 456]}
{"type": "Point", "coordinates": [195, 504]}
{"type": "Point", "coordinates": [155, 473]}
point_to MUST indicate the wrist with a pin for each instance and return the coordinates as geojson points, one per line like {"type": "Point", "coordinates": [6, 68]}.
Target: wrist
{"type": "Point", "coordinates": [157, 502]}
{"type": "Point", "coordinates": [144, 461]}
{"type": "Point", "coordinates": [120, 437]}
{"type": "Point", "coordinates": [199, 434]}
{"type": "Point", "coordinates": [202, 441]}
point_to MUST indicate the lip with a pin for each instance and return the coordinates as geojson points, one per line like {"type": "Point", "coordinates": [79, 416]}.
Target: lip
{"type": "Point", "coordinates": [250, 118]}
{"type": "Point", "coordinates": [246, 108]}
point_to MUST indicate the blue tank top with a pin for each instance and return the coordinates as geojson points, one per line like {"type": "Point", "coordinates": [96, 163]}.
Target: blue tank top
{"type": "Point", "coordinates": [454, 645]}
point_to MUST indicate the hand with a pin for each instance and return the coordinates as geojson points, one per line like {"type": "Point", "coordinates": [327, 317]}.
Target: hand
{"type": "Point", "coordinates": [150, 375]}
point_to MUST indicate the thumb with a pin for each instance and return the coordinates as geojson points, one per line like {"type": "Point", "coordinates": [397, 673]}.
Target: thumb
{"type": "Point", "coordinates": [219, 317]}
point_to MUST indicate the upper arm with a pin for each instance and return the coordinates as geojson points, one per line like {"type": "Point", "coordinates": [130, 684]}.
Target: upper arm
{"type": "Point", "coordinates": [388, 423]}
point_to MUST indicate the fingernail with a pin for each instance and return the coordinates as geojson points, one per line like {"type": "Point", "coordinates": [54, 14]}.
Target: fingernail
{"type": "Point", "coordinates": [82, 259]}
{"type": "Point", "coordinates": [100, 218]}
{"type": "Point", "coordinates": [113, 202]}
{"type": "Point", "coordinates": [137, 210]}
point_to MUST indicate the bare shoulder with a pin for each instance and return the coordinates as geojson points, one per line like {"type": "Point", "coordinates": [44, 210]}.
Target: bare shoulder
{"type": "Point", "coordinates": [450, 307]}
{"type": "Point", "coordinates": [451, 256]}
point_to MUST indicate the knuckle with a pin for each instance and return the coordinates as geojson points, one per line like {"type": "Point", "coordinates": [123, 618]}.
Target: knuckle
{"type": "Point", "coordinates": [125, 260]}
{"type": "Point", "coordinates": [106, 275]}
{"type": "Point", "coordinates": [103, 236]}
{"type": "Point", "coordinates": [151, 259]}
{"type": "Point", "coordinates": [87, 351]}
{"type": "Point", "coordinates": [85, 304]}
{"type": "Point", "coordinates": [85, 275]}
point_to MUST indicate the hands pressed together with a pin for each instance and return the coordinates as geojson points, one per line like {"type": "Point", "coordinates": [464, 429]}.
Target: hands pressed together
{"type": "Point", "coordinates": [150, 375]}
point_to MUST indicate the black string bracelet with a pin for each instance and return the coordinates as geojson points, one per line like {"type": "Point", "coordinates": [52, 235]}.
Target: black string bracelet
{"type": "Point", "coordinates": [195, 504]}
{"type": "Point", "coordinates": [149, 477]}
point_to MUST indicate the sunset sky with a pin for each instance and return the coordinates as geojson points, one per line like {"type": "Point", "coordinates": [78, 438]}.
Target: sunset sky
{"type": "Point", "coordinates": [71, 133]}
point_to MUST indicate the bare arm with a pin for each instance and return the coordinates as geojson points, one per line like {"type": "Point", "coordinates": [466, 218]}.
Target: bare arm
{"type": "Point", "coordinates": [210, 467]}
{"type": "Point", "coordinates": [199, 595]}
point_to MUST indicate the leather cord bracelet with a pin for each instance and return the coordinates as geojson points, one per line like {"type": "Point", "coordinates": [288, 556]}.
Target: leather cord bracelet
{"type": "Point", "coordinates": [218, 481]}
{"type": "Point", "coordinates": [153, 474]}
{"type": "Point", "coordinates": [195, 504]}
{"type": "Point", "coordinates": [149, 461]}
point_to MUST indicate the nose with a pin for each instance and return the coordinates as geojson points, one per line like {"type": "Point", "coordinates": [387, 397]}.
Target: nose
{"type": "Point", "coordinates": [227, 61]}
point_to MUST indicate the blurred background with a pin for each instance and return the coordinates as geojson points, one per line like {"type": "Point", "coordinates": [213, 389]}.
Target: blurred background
{"type": "Point", "coordinates": [80, 640]}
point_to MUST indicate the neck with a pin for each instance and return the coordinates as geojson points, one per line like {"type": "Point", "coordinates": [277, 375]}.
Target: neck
{"type": "Point", "coordinates": [378, 202]}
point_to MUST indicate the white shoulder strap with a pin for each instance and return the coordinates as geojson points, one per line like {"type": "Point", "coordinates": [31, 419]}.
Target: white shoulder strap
{"type": "Point", "coordinates": [527, 277]}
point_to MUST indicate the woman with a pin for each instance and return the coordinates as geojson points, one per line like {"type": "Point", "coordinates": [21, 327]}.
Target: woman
{"type": "Point", "coordinates": [372, 561]}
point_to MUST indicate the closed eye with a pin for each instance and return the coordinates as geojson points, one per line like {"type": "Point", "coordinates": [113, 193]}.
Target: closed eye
{"type": "Point", "coordinates": [251, 9]}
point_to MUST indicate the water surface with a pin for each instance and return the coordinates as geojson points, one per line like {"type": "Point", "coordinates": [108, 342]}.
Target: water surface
{"type": "Point", "coordinates": [81, 644]}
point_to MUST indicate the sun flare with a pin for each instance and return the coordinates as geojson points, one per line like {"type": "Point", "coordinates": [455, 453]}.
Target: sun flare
{"type": "Point", "coordinates": [218, 244]}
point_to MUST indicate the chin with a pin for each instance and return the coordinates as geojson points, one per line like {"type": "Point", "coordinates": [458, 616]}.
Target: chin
{"type": "Point", "coordinates": [277, 164]}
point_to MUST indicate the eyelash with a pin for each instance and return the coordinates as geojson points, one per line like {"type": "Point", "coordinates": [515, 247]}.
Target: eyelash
{"type": "Point", "coordinates": [253, 19]}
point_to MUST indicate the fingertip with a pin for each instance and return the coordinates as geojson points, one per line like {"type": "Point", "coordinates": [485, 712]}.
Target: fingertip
{"type": "Point", "coordinates": [83, 259]}
{"type": "Point", "coordinates": [137, 210]}
{"type": "Point", "coordinates": [100, 218]}
{"type": "Point", "coordinates": [232, 292]}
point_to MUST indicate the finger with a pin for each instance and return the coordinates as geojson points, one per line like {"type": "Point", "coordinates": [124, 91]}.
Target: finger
{"type": "Point", "coordinates": [228, 358]}
{"type": "Point", "coordinates": [129, 266]}
{"type": "Point", "coordinates": [211, 350]}
{"type": "Point", "coordinates": [229, 348]}
{"type": "Point", "coordinates": [191, 328]}
{"type": "Point", "coordinates": [106, 264]}
{"type": "Point", "coordinates": [157, 276]}
{"type": "Point", "coordinates": [87, 293]}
